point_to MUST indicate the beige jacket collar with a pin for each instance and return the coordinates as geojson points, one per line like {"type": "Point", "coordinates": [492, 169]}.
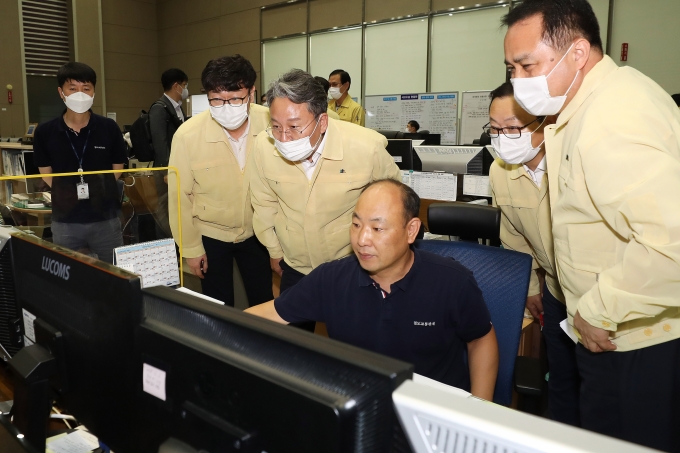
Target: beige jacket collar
{"type": "Point", "coordinates": [553, 145]}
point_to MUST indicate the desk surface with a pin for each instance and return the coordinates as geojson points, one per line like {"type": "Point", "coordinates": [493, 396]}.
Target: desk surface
{"type": "Point", "coordinates": [8, 145]}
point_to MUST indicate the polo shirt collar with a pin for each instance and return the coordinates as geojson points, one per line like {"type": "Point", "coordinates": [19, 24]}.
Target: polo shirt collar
{"type": "Point", "coordinates": [346, 102]}
{"type": "Point", "coordinates": [403, 284]}
{"type": "Point", "coordinates": [92, 123]}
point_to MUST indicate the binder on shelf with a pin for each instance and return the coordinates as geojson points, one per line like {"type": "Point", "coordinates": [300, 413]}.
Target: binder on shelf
{"type": "Point", "coordinates": [154, 261]}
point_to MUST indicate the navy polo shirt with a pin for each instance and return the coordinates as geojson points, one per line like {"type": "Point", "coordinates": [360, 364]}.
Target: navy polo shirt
{"type": "Point", "coordinates": [426, 319]}
{"type": "Point", "coordinates": [101, 145]}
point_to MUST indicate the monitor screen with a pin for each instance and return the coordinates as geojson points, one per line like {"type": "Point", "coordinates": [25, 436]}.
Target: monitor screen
{"type": "Point", "coordinates": [402, 152]}
{"type": "Point", "coordinates": [84, 312]}
{"type": "Point", "coordinates": [218, 379]}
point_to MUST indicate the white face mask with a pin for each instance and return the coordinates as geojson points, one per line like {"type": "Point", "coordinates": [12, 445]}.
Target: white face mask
{"type": "Point", "coordinates": [79, 102]}
{"type": "Point", "coordinates": [185, 92]}
{"type": "Point", "coordinates": [230, 117]}
{"type": "Point", "coordinates": [335, 93]}
{"type": "Point", "coordinates": [516, 150]}
{"type": "Point", "coordinates": [297, 150]}
{"type": "Point", "coordinates": [533, 94]}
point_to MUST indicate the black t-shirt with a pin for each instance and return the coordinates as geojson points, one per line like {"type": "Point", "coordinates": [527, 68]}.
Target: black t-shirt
{"type": "Point", "coordinates": [56, 146]}
{"type": "Point", "coordinates": [426, 319]}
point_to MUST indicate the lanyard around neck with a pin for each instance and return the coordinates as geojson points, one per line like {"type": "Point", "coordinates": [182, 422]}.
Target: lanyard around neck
{"type": "Point", "coordinates": [82, 155]}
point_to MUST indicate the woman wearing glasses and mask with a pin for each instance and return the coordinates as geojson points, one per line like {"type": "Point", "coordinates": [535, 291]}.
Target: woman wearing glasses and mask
{"type": "Point", "coordinates": [519, 185]}
{"type": "Point", "coordinates": [306, 174]}
{"type": "Point", "coordinates": [210, 152]}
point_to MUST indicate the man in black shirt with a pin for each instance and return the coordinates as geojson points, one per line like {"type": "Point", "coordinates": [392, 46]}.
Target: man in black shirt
{"type": "Point", "coordinates": [84, 209]}
{"type": "Point", "coordinates": [396, 300]}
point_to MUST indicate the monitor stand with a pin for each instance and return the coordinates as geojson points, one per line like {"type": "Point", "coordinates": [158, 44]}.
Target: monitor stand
{"type": "Point", "coordinates": [32, 366]}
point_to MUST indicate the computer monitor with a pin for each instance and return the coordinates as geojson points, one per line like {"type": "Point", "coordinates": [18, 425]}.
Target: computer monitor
{"type": "Point", "coordinates": [218, 379]}
{"type": "Point", "coordinates": [388, 134]}
{"type": "Point", "coordinates": [81, 313]}
{"type": "Point", "coordinates": [401, 151]}
{"type": "Point", "coordinates": [11, 331]}
{"type": "Point", "coordinates": [427, 139]}
{"type": "Point", "coordinates": [437, 420]}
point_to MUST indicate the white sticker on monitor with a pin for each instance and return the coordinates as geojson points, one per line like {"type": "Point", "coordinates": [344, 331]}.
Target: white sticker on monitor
{"type": "Point", "coordinates": [154, 381]}
{"type": "Point", "coordinates": [29, 330]}
{"type": "Point", "coordinates": [397, 159]}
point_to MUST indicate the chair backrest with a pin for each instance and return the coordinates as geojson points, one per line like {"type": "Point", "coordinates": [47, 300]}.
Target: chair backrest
{"type": "Point", "coordinates": [503, 276]}
{"type": "Point", "coordinates": [468, 221]}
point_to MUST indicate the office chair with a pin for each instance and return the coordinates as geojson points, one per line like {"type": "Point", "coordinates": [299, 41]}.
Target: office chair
{"type": "Point", "coordinates": [469, 222]}
{"type": "Point", "coordinates": [424, 132]}
{"type": "Point", "coordinates": [503, 277]}
{"type": "Point", "coordinates": [388, 134]}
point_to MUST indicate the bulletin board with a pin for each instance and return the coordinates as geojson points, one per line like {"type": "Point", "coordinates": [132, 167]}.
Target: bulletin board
{"type": "Point", "coordinates": [474, 115]}
{"type": "Point", "coordinates": [435, 112]}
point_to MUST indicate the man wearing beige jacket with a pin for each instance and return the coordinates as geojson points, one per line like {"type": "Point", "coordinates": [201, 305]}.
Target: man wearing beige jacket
{"type": "Point", "coordinates": [306, 174]}
{"type": "Point", "coordinates": [614, 174]}
{"type": "Point", "coordinates": [210, 152]}
{"type": "Point", "coordinates": [519, 185]}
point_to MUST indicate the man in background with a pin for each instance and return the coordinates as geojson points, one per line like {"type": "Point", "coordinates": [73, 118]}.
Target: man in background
{"type": "Point", "coordinates": [210, 153]}
{"type": "Point", "coordinates": [306, 175]}
{"type": "Point", "coordinates": [165, 116]}
{"type": "Point", "coordinates": [84, 208]}
{"type": "Point", "coordinates": [341, 102]}
{"type": "Point", "coordinates": [263, 100]}
{"type": "Point", "coordinates": [326, 86]}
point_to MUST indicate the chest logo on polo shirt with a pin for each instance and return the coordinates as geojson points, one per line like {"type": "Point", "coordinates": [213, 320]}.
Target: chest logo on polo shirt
{"type": "Point", "coordinates": [100, 147]}
{"type": "Point", "coordinates": [425, 324]}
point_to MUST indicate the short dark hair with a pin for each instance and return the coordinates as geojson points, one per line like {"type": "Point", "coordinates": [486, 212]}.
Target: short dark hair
{"type": "Point", "coordinates": [676, 98]}
{"type": "Point", "coordinates": [344, 76]}
{"type": "Point", "coordinates": [264, 96]}
{"type": "Point", "coordinates": [414, 124]}
{"type": "Point", "coordinates": [503, 91]}
{"type": "Point", "coordinates": [563, 20]}
{"type": "Point", "coordinates": [299, 87]}
{"type": "Point", "coordinates": [324, 83]}
{"type": "Point", "coordinates": [79, 72]}
{"type": "Point", "coordinates": [172, 76]}
{"type": "Point", "coordinates": [230, 73]}
{"type": "Point", "coordinates": [409, 197]}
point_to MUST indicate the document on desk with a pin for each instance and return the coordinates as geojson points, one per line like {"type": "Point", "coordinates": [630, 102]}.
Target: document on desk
{"type": "Point", "coordinates": [432, 185]}
{"type": "Point", "coordinates": [476, 185]}
{"type": "Point", "coordinates": [75, 442]}
{"type": "Point", "coordinates": [202, 296]}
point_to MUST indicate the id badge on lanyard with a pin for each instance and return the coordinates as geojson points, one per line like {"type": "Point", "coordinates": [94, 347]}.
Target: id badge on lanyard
{"type": "Point", "coordinates": [82, 189]}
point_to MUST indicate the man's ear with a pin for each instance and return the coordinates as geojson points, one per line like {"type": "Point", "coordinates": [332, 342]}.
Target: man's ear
{"type": "Point", "coordinates": [581, 53]}
{"type": "Point", "coordinates": [413, 228]}
{"type": "Point", "coordinates": [323, 122]}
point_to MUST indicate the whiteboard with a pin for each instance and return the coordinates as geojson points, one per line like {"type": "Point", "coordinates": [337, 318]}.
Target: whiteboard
{"type": "Point", "coordinates": [435, 112]}
{"type": "Point", "coordinates": [474, 115]}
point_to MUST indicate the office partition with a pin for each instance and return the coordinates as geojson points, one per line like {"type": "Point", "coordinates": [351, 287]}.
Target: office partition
{"type": "Point", "coordinates": [337, 50]}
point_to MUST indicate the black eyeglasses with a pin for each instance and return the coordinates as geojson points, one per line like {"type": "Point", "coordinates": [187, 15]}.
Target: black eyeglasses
{"type": "Point", "coordinates": [233, 102]}
{"type": "Point", "coordinates": [512, 132]}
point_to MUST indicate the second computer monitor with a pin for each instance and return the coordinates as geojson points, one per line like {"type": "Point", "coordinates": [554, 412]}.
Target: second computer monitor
{"type": "Point", "coordinates": [401, 151]}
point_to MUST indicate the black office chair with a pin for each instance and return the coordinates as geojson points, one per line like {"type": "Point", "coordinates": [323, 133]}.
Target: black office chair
{"type": "Point", "coordinates": [470, 222]}
{"type": "Point", "coordinates": [424, 132]}
{"type": "Point", "coordinates": [388, 134]}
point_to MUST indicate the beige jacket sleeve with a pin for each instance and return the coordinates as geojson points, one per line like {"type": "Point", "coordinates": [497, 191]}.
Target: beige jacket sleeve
{"type": "Point", "coordinates": [265, 203]}
{"type": "Point", "coordinates": [513, 240]}
{"type": "Point", "coordinates": [360, 116]}
{"type": "Point", "coordinates": [191, 239]}
{"type": "Point", "coordinates": [631, 165]}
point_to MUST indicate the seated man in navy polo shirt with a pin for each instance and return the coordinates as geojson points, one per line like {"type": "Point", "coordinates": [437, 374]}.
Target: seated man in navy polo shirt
{"type": "Point", "coordinates": [397, 300]}
{"type": "Point", "coordinates": [84, 209]}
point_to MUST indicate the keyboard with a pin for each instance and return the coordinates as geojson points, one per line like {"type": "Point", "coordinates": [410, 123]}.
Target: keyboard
{"type": "Point", "coordinates": [447, 150]}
